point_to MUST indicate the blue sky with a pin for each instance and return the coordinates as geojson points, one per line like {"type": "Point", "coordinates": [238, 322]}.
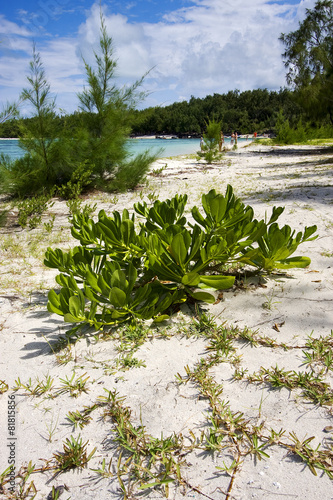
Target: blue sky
{"type": "Point", "coordinates": [192, 47]}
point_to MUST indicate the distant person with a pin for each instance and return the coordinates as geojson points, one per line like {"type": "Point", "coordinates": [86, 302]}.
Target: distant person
{"type": "Point", "coordinates": [255, 135]}
{"type": "Point", "coordinates": [232, 140]}
{"type": "Point", "coordinates": [236, 137]}
{"type": "Point", "coordinates": [201, 143]}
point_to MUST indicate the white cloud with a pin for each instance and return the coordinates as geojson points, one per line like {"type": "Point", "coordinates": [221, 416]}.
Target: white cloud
{"type": "Point", "coordinates": [211, 46]}
{"type": "Point", "coordinates": [131, 43]}
{"type": "Point", "coordinates": [208, 47]}
{"type": "Point", "coordinates": [9, 28]}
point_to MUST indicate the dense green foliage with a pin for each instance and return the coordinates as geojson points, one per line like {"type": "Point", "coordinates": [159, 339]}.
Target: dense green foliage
{"type": "Point", "coordinates": [309, 60]}
{"type": "Point", "coordinates": [285, 134]}
{"type": "Point", "coordinates": [246, 112]}
{"type": "Point", "coordinates": [120, 273]}
{"type": "Point", "coordinates": [61, 152]}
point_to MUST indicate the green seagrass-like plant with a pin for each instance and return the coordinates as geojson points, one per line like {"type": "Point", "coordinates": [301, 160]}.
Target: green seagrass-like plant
{"type": "Point", "coordinates": [122, 271]}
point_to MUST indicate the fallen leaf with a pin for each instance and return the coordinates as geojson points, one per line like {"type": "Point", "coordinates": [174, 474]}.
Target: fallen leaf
{"type": "Point", "coordinates": [219, 298]}
{"type": "Point", "coordinates": [277, 326]}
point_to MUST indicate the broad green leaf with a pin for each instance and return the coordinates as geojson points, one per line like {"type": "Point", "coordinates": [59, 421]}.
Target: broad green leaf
{"type": "Point", "coordinates": [68, 318]}
{"type": "Point", "coordinates": [132, 277]}
{"type": "Point", "coordinates": [162, 317]}
{"type": "Point", "coordinates": [308, 232]}
{"type": "Point", "coordinates": [53, 304]}
{"type": "Point", "coordinates": [204, 296]}
{"type": "Point", "coordinates": [92, 280]}
{"type": "Point", "coordinates": [218, 282]}
{"type": "Point", "coordinates": [293, 262]}
{"type": "Point", "coordinates": [103, 286]}
{"type": "Point", "coordinates": [276, 212]}
{"type": "Point", "coordinates": [191, 279]}
{"type": "Point", "coordinates": [178, 249]}
{"type": "Point", "coordinates": [118, 279]}
{"type": "Point", "coordinates": [218, 207]}
{"type": "Point", "coordinates": [117, 297]}
{"type": "Point", "coordinates": [198, 217]}
{"type": "Point", "coordinates": [75, 306]}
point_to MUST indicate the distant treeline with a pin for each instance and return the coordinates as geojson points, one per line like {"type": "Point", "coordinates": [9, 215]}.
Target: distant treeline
{"type": "Point", "coordinates": [244, 112]}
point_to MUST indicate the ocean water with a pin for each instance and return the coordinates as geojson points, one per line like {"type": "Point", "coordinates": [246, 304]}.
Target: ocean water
{"type": "Point", "coordinates": [168, 147]}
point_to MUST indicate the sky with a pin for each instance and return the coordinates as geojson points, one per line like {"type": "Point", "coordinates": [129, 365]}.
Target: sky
{"type": "Point", "coordinates": [189, 47]}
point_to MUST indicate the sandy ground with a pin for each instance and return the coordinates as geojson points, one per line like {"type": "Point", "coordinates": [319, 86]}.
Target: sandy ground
{"type": "Point", "coordinates": [288, 308]}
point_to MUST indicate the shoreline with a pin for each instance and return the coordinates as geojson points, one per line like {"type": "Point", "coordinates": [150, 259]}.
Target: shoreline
{"type": "Point", "coordinates": [280, 314]}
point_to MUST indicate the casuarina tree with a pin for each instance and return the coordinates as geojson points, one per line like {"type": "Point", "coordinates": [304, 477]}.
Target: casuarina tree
{"type": "Point", "coordinates": [106, 115]}
{"type": "Point", "coordinates": [309, 59]}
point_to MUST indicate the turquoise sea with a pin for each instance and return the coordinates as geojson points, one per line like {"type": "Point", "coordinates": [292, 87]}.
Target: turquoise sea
{"type": "Point", "coordinates": [170, 147]}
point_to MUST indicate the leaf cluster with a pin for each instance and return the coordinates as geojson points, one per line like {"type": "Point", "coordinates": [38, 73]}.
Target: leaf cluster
{"type": "Point", "coordinates": [74, 455]}
{"type": "Point", "coordinates": [32, 209]}
{"type": "Point", "coordinates": [124, 272]}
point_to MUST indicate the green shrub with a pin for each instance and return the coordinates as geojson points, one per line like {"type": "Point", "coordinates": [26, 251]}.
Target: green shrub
{"type": "Point", "coordinates": [120, 273]}
{"type": "Point", "coordinates": [94, 152]}
{"type": "Point", "coordinates": [32, 209]}
{"type": "Point", "coordinates": [80, 179]}
{"type": "Point", "coordinates": [284, 133]}
{"type": "Point", "coordinates": [76, 207]}
{"type": "Point", "coordinates": [210, 148]}
{"type": "Point", "coordinates": [3, 217]}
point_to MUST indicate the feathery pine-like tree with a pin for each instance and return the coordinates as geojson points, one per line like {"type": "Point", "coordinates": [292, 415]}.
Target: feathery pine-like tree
{"type": "Point", "coordinates": [44, 163]}
{"type": "Point", "coordinates": [106, 114]}
{"type": "Point", "coordinates": [309, 60]}
{"type": "Point", "coordinates": [211, 137]}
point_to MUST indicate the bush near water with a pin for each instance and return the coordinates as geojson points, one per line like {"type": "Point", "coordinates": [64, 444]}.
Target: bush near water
{"type": "Point", "coordinates": [55, 152]}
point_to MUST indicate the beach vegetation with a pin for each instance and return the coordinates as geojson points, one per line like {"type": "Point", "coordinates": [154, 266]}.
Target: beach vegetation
{"type": "Point", "coordinates": [74, 386]}
{"type": "Point", "coordinates": [52, 428]}
{"type": "Point", "coordinates": [48, 226]}
{"type": "Point", "coordinates": [105, 123]}
{"type": "Point", "coordinates": [40, 388]}
{"type": "Point", "coordinates": [8, 112]}
{"type": "Point", "coordinates": [44, 162]}
{"type": "Point", "coordinates": [30, 210]}
{"type": "Point", "coordinates": [74, 455]}
{"type": "Point", "coordinates": [3, 387]}
{"type": "Point", "coordinates": [79, 419]}
{"type": "Point", "coordinates": [123, 273]}
{"type": "Point", "coordinates": [94, 153]}
{"type": "Point", "coordinates": [3, 217]}
{"type": "Point", "coordinates": [300, 133]}
{"type": "Point", "coordinates": [211, 137]}
{"type": "Point", "coordinates": [104, 471]}
{"type": "Point", "coordinates": [308, 58]}
{"type": "Point", "coordinates": [77, 206]}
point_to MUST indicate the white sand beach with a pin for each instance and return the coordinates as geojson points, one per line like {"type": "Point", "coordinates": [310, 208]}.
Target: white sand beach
{"type": "Point", "coordinates": [281, 312]}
